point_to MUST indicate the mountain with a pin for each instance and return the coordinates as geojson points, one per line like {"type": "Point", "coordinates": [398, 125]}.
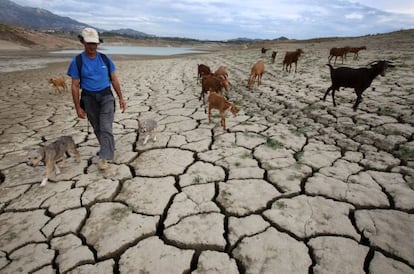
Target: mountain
{"type": "Point", "coordinates": [130, 32]}
{"type": "Point", "coordinates": [242, 40]}
{"type": "Point", "coordinates": [13, 14]}
{"type": "Point", "coordinates": [35, 18]}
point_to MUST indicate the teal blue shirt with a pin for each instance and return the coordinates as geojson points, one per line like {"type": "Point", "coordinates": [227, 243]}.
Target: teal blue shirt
{"type": "Point", "coordinates": [94, 72]}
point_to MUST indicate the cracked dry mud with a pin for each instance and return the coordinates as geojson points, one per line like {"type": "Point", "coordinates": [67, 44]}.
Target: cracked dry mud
{"type": "Point", "coordinates": [294, 185]}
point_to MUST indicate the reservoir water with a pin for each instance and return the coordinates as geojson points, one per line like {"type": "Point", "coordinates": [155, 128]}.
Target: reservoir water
{"type": "Point", "coordinates": [8, 64]}
{"type": "Point", "coordinates": [135, 50]}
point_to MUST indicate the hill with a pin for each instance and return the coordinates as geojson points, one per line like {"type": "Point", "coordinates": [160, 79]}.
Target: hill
{"type": "Point", "coordinates": [20, 38]}
{"type": "Point", "coordinates": [35, 18]}
{"type": "Point", "coordinates": [43, 20]}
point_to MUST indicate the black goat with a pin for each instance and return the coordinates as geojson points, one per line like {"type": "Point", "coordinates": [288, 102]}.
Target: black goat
{"type": "Point", "coordinates": [357, 78]}
{"type": "Point", "coordinates": [263, 50]}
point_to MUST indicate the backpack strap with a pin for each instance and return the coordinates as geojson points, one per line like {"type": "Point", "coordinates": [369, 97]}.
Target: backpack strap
{"type": "Point", "coordinates": [106, 61]}
{"type": "Point", "coordinates": [79, 65]}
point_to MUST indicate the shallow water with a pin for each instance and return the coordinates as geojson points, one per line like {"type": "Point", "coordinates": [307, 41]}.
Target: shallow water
{"type": "Point", "coordinates": [16, 63]}
{"type": "Point", "coordinates": [135, 50]}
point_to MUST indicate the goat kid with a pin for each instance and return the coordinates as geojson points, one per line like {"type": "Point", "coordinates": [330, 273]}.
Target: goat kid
{"type": "Point", "coordinates": [256, 73]}
{"type": "Point", "coordinates": [291, 57]}
{"type": "Point", "coordinates": [221, 71]}
{"type": "Point", "coordinates": [355, 51]}
{"type": "Point", "coordinates": [58, 83]}
{"type": "Point", "coordinates": [338, 52]}
{"type": "Point", "coordinates": [217, 101]}
{"type": "Point", "coordinates": [357, 78]}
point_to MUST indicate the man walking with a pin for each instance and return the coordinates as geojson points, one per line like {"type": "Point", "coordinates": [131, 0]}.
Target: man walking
{"type": "Point", "coordinates": [94, 73]}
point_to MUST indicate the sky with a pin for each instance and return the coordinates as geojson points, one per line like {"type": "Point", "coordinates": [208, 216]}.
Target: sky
{"type": "Point", "coordinates": [231, 19]}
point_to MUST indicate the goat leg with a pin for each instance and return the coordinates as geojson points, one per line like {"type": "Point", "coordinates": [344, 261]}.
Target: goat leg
{"type": "Point", "coordinates": [333, 97]}
{"type": "Point", "coordinates": [201, 95]}
{"type": "Point", "coordinates": [326, 93]}
{"type": "Point", "coordinates": [358, 100]}
{"type": "Point", "coordinates": [223, 121]}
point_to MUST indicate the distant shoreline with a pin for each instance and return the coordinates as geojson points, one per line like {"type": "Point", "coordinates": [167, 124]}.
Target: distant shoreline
{"type": "Point", "coordinates": [14, 57]}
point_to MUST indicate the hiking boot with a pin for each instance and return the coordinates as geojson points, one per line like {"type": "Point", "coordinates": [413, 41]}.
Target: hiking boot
{"type": "Point", "coordinates": [102, 164]}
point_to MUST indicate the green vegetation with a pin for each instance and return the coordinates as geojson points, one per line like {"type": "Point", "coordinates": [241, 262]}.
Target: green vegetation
{"type": "Point", "coordinates": [273, 143]}
{"type": "Point", "coordinates": [197, 179]}
{"type": "Point", "coordinates": [387, 111]}
{"type": "Point", "coordinates": [410, 182]}
{"type": "Point", "coordinates": [117, 214]}
{"type": "Point", "coordinates": [298, 155]}
{"type": "Point", "coordinates": [246, 155]}
{"type": "Point", "coordinates": [406, 153]}
{"type": "Point", "coordinates": [281, 205]}
{"type": "Point", "coordinates": [297, 132]}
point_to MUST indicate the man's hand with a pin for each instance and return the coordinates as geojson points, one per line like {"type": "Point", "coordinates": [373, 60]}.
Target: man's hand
{"type": "Point", "coordinates": [122, 105]}
{"type": "Point", "coordinates": [81, 113]}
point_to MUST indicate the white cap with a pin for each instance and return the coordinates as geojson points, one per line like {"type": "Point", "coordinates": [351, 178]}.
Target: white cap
{"type": "Point", "coordinates": [90, 35]}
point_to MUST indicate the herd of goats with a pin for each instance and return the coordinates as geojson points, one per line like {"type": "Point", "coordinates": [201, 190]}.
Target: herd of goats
{"type": "Point", "coordinates": [357, 78]}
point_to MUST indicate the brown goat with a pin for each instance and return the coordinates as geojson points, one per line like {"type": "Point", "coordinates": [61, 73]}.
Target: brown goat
{"type": "Point", "coordinates": [201, 71]}
{"type": "Point", "coordinates": [338, 52]}
{"type": "Point", "coordinates": [212, 82]}
{"type": "Point", "coordinates": [273, 56]}
{"type": "Point", "coordinates": [291, 57]}
{"type": "Point", "coordinates": [217, 101]}
{"type": "Point", "coordinates": [57, 83]}
{"type": "Point", "coordinates": [222, 71]}
{"type": "Point", "coordinates": [256, 72]}
{"type": "Point", "coordinates": [355, 51]}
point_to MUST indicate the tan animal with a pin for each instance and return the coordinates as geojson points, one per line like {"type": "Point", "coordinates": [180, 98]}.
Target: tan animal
{"type": "Point", "coordinates": [256, 73]}
{"type": "Point", "coordinates": [221, 70]}
{"type": "Point", "coordinates": [217, 101]}
{"type": "Point", "coordinates": [53, 153]}
{"type": "Point", "coordinates": [148, 128]}
{"type": "Point", "coordinates": [57, 83]}
{"type": "Point", "coordinates": [290, 58]}
{"type": "Point", "coordinates": [355, 51]}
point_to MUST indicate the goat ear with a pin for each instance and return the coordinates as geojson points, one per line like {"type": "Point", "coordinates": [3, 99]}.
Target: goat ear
{"type": "Point", "coordinates": [390, 64]}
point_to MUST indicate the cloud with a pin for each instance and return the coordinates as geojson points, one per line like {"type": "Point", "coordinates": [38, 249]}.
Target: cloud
{"type": "Point", "coordinates": [355, 15]}
{"type": "Point", "coordinates": [228, 19]}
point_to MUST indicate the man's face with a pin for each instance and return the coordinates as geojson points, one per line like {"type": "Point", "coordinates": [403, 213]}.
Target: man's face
{"type": "Point", "coordinates": [90, 48]}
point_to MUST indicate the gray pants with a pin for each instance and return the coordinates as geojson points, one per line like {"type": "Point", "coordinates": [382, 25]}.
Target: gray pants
{"type": "Point", "coordinates": [100, 108]}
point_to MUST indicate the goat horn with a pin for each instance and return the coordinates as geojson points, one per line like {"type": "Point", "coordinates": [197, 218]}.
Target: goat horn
{"type": "Point", "coordinates": [373, 62]}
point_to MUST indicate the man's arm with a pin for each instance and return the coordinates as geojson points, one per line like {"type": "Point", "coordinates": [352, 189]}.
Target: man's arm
{"type": "Point", "coordinates": [117, 88]}
{"type": "Point", "coordinates": [76, 98]}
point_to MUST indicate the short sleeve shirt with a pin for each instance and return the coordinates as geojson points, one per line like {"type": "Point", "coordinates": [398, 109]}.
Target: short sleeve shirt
{"type": "Point", "coordinates": [94, 72]}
